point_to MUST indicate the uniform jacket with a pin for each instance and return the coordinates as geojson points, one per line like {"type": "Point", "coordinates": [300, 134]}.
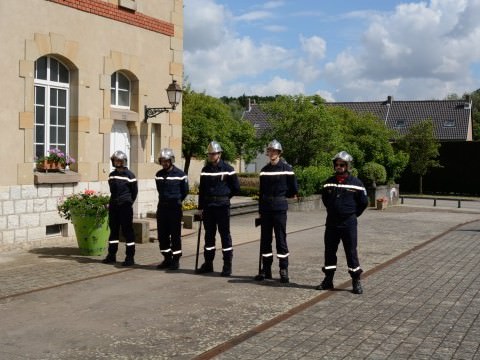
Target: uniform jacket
{"type": "Point", "coordinates": [344, 202]}
{"type": "Point", "coordinates": [218, 183]}
{"type": "Point", "coordinates": [277, 183]}
{"type": "Point", "coordinates": [123, 187]}
{"type": "Point", "coordinates": [172, 186]}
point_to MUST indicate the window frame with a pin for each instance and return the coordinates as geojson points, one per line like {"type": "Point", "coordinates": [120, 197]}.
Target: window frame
{"type": "Point", "coordinates": [51, 86]}
{"type": "Point", "coordinates": [116, 90]}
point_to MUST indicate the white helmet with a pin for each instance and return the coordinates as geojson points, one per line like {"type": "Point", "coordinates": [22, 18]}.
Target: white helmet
{"type": "Point", "coordinates": [344, 156]}
{"type": "Point", "coordinates": [166, 154]}
{"type": "Point", "coordinates": [275, 145]}
{"type": "Point", "coordinates": [214, 147]}
{"type": "Point", "coordinates": [119, 155]}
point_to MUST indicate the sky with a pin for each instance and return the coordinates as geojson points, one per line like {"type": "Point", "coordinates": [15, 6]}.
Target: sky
{"type": "Point", "coordinates": [342, 50]}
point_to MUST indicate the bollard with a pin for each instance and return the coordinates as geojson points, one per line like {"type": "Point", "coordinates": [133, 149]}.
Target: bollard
{"type": "Point", "coordinates": [434, 202]}
{"type": "Point", "coordinates": [459, 204]}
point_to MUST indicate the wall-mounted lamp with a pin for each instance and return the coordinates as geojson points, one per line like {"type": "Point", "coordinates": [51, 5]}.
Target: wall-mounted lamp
{"type": "Point", "coordinates": [174, 93]}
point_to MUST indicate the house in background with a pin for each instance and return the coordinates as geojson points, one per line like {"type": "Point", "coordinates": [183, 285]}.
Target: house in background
{"type": "Point", "coordinates": [452, 119]}
{"type": "Point", "coordinates": [76, 75]}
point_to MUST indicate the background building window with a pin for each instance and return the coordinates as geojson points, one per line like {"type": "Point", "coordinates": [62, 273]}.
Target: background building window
{"type": "Point", "coordinates": [120, 91]}
{"type": "Point", "coordinates": [51, 127]}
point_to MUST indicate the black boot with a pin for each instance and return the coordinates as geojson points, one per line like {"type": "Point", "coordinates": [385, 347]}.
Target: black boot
{"type": "Point", "coordinates": [357, 286]}
{"type": "Point", "coordinates": [130, 254]}
{"type": "Point", "coordinates": [175, 264]}
{"type": "Point", "coordinates": [129, 261]}
{"type": "Point", "coordinates": [327, 283]}
{"type": "Point", "coordinates": [265, 273]}
{"type": "Point", "coordinates": [110, 259]}
{"type": "Point", "coordinates": [284, 276]}
{"type": "Point", "coordinates": [167, 261]}
{"type": "Point", "coordinates": [227, 268]}
{"type": "Point", "coordinates": [207, 267]}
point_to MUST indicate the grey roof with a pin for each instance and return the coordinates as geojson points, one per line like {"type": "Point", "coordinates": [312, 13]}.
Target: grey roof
{"type": "Point", "coordinates": [452, 119]}
{"type": "Point", "coordinates": [256, 117]}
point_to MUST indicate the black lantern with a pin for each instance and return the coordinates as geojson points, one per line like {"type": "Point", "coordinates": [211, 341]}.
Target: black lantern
{"type": "Point", "coordinates": [174, 94]}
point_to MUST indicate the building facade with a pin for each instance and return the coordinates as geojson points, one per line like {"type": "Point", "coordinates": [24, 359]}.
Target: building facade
{"type": "Point", "coordinates": [77, 75]}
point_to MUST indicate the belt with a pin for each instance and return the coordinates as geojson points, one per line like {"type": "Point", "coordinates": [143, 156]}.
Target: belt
{"type": "Point", "coordinates": [273, 198]}
{"type": "Point", "coordinates": [217, 198]}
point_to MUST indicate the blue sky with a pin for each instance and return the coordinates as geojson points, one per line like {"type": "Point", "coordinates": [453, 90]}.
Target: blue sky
{"type": "Point", "coordinates": [344, 50]}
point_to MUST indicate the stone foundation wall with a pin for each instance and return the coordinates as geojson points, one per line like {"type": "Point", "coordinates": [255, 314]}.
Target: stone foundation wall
{"type": "Point", "coordinates": [28, 211]}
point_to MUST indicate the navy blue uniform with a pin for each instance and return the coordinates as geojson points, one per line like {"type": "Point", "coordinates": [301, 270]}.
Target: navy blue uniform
{"type": "Point", "coordinates": [345, 202]}
{"type": "Point", "coordinates": [218, 183]}
{"type": "Point", "coordinates": [172, 188]}
{"type": "Point", "coordinates": [277, 183]}
{"type": "Point", "coordinates": [123, 193]}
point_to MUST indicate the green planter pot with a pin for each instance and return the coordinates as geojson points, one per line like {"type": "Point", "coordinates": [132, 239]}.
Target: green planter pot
{"type": "Point", "coordinates": [92, 237]}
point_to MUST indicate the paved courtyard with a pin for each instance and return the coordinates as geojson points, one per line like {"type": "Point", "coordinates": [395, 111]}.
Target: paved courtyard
{"type": "Point", "coordinates": [421, 297]}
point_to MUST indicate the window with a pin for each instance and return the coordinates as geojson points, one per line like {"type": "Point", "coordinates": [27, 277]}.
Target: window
{"type": "Point", "coordinates": [400, 123]}
{"type": "Point", "coordinates": [52, 85]}
{"type": "Point", "coordinates": [156, 142]}
{"type": "Point", "coordinates": [449, 123]}
{"type": "Point", "coordinates": [120, 91]}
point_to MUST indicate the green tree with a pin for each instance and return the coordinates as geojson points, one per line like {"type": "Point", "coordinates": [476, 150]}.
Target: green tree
{"type": "Point", "coordinates": [422, 146]}
{"type": "Point", "coordinates": [307, 132]}
{"type": "Point", "coordinates": [206, 118]}
{"type": "Point", "coordinates": [367, 139]}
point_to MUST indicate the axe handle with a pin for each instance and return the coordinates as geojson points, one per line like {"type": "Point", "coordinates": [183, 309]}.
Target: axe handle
{"type": "Point", "coordinates": [198, 243]}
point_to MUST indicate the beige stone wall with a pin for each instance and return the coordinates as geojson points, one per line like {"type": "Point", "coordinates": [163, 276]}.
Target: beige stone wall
{"type": "Point", "coordinates": [92, 47]}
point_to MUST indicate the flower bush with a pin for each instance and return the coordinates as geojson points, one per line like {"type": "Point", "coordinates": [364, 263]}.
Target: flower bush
{"type": "Point", "coordinates": [88, 203]}
{"type": "Point", "coordinates": [189, 204]}
{"type": "Point", "coordinates": [56, 155]}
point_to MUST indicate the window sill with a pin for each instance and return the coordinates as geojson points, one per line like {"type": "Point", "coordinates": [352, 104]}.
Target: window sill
{"type": "Point", "coordinates": [63, 177]}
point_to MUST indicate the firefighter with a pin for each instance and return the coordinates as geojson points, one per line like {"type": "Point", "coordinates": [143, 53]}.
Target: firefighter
{"type": "Point", "coordinates": [172, 187]}
{"type": "Point", "coordinates": [123, 191]}
{"type": "Point", "coordinates": [277, 183]}
{"type": "Point", "coordinates": [218, 183]}
{"type": "Point", "coordinates": [345, 199]}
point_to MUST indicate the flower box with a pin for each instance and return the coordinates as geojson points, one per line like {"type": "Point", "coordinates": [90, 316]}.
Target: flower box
{"type": "Point", "coordinates": [49, 165]}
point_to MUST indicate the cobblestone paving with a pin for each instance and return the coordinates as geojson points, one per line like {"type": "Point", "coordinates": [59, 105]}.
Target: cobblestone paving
{"type": "Point", "coordinates": [424, 306]}
{"type": "Point", "coordinates": [56, 304]}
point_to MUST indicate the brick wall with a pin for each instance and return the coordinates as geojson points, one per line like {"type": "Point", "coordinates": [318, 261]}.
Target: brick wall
{"type": "Point", "coordinates": [114, 12]}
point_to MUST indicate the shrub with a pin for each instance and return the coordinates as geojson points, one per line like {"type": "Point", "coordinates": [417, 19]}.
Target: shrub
{"type": "Point", "coordinates": [250, 191]}
{"type": "Point", "coordinates": [311, 178]}
{"type": "Point", "coordinates": [374, 172]}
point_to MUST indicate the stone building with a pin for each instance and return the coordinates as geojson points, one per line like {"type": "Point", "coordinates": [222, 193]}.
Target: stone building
{"type": "Point", "coordinates": [76, 75]}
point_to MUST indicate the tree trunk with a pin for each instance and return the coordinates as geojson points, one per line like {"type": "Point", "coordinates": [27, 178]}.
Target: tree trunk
{"type": "Point", "coordinates": [420, 185]}
{"type": "Point", "coordinates": [187, 164]}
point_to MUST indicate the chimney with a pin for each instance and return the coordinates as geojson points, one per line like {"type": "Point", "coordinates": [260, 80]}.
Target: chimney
{"type": "Point", "coordinates": [389, 100]}
{"type": "Point", "coordinates": [468, 102]}
{"type": "Point", "coordinates": [249, 104]}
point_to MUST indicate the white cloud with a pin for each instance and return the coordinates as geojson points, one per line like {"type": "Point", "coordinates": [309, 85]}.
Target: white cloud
{"type": "Point", "coordinates": [253, 16]}
{"type": "Point", "coordinates": [275, 28]}
{"type": "Point", "coordinates": [419, 45]}
{"type": "Point", "coordinates": [206, 24]}
{"type": "Point", "coordinates": [416, 50]}
{"type": "Point", "coordinates": [314, 46]}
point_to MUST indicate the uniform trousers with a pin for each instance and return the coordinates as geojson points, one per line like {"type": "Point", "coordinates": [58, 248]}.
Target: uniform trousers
{"type": "Point", "coordinates": [347, 233]}
{"type": "Point", "coordinates": [217, 217]}
{"type": "Point", "coordinates": [169, 227]}
{"type": "Point", "coordinates": [274, 222]}
{"type": "Point", "coordinates": [121, 217]}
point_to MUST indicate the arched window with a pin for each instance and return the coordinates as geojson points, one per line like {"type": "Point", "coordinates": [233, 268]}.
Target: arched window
{"type": "Point", "coordinates": [52, 85]}
{"type": "Point", "coordinates": [120, 90]}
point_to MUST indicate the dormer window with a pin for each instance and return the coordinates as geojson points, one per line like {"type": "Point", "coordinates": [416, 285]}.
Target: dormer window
{"type": "Point", "coordinates": [449, 123]}
{"type": "Point", "coordinates": [400, 123]}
